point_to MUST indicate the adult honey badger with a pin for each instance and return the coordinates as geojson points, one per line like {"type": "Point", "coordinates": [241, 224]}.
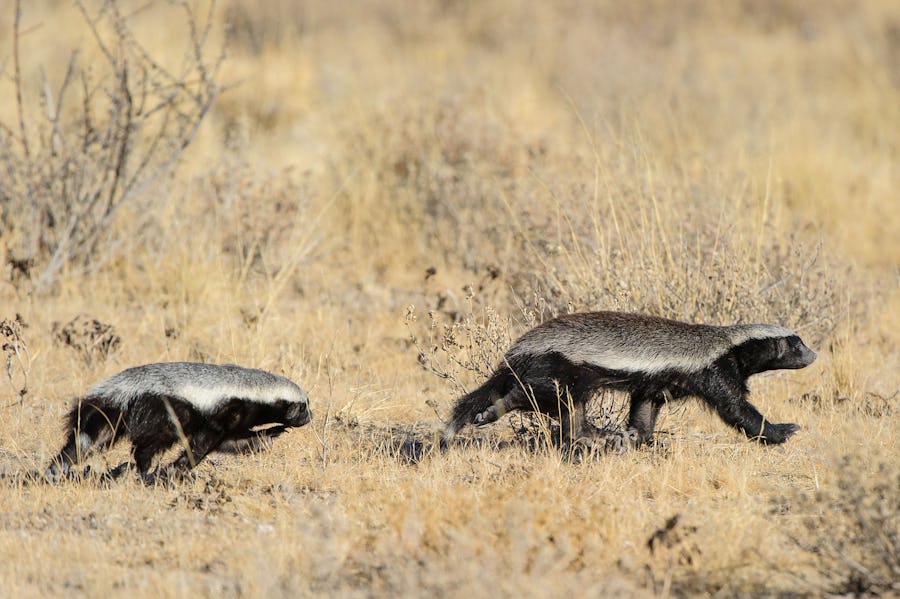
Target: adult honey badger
{"type": "Point", "coordinates": [556, 367]}
{"type": "Point", "coordinates": [155, 405]}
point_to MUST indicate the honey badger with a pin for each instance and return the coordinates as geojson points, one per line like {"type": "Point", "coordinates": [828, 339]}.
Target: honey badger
{"type": "Point", "coordinates": [157, 404]}
{"type": "Point", "coordinates": [557, 366]}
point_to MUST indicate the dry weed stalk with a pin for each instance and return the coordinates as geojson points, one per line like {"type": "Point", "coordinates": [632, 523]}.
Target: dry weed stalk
{"type": "Point", "coordinates": [471, 344]}
{"type": "Point", "coordinates": [71, 166]}
{"type": "Point", "coordinates": [16, 350]}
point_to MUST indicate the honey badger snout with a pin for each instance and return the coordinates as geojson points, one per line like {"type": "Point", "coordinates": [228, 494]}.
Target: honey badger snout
{"type": "Point", "coordinates": [807, 356]}
{"type": "Point", "coordinates": [799, 355]}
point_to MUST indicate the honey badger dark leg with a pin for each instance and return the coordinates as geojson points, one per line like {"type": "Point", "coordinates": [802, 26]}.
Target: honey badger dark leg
{"type": "Point", "coordinates": [728, 395]}
{"type": "Point", "coordinates": [156, 423]}
{"type": "Point", "coordinates": [514, 400]}
{"type": "Point", "coordinates": [147, 446]}
{"type": "Point", "coordinates": [232, 421]}
{"type": "Point", "coordinates": [571, 406]}
{"type": "Point", "coordinates": [200, 445]}
{"type": "Point", "coordinates": [572, 422]}
{"type": "Point", "coordinates": [642, 415]}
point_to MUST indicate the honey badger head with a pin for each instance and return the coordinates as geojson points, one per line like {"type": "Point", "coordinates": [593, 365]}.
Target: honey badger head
{"type": "Point", "coordinates": [773, 353]}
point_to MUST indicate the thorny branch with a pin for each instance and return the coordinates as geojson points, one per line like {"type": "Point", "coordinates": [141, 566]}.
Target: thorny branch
{"type": "Point", "coordinates": [70, 167]}
{"type": "Point", "coordinates": [16, 350]}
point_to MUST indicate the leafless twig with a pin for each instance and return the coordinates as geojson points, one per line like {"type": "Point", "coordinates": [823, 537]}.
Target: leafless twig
{"type": "Point", "coordinates": [70, 167]}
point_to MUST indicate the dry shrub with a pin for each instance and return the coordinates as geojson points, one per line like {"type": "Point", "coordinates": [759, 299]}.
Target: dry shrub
{"type": "Point", "coordinates": [469, 347]}
{"type": "Point", "coordinates": [18, 358]}
{"type": "Point", "coordinates": [90, 338]}
{"type": "Point", "coordinates": [255, 27]}
{"type": "Point", "coordinates": [108, 132]}
{"type": "Point", "coordinates": [260, 220]}
{"type": "Point", "coordinates": [690, 272]}
{"type": "Point", "coordinates": [432, 174]}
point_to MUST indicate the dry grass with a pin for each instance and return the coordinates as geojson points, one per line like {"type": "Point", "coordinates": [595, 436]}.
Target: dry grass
{"type": "Point", "coordinates": [452, 173]}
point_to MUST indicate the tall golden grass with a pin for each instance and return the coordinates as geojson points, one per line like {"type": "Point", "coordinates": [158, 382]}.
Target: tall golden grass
{"type": "Point", "coordinates": [388, 178]}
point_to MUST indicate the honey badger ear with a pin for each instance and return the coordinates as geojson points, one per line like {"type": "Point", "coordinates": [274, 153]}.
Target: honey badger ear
{"type": "Point", "coordinates": [783, 346]}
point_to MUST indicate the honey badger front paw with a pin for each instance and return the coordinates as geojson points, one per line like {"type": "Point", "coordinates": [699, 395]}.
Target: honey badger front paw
{"type": "Point", "coordinates": [773, 434]}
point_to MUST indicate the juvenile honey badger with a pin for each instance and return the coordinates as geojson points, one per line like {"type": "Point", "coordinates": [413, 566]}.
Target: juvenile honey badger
{"type": "Point", "coordinates": [155, 405]}
{"type": "Point", "coordinates": [556, 367]}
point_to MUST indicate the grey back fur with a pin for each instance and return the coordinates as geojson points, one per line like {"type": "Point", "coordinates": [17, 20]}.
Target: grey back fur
{"type": "Point", "coordinates": [203, 385]}
{"type": "Point", "coordinates": [636, 342]}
